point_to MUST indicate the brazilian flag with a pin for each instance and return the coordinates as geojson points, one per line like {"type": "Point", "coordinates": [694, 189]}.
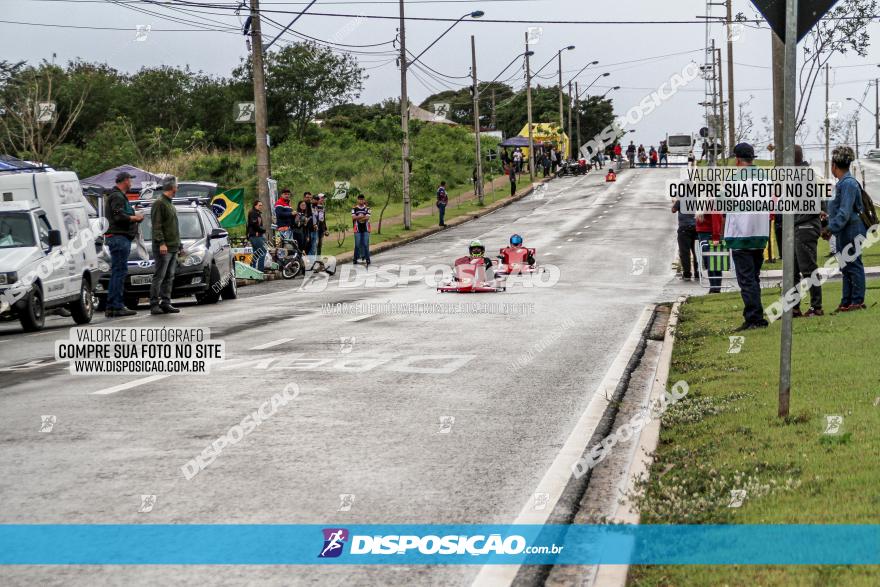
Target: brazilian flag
{"type": "Point", "coordinates": [228, 207]}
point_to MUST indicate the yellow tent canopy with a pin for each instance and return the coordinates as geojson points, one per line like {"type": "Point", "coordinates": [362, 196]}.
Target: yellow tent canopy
{"type": "Point", "coordinates": [545, 132]}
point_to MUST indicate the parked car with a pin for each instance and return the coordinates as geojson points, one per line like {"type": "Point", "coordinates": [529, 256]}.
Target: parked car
{"type": "Point", "coordinates": [206, 268]}
{"type": "Point", "coordinates": [873, 154]}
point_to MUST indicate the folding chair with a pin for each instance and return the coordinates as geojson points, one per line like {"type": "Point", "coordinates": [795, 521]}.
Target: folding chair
{"type": "Point", "coordinates": [711, 257]}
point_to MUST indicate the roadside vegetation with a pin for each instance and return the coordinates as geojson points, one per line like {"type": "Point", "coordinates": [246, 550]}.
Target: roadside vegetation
{"type": "Point", "coordinates": [725, 436]}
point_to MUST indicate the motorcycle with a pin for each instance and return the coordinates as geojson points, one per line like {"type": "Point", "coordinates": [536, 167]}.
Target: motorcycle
{"type": "Point", "coordinates": [288, 257]}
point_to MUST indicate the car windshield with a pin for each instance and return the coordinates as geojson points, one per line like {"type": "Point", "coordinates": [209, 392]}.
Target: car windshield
{"type": "Point", "coordinates": [189, 190]}
{"type": "Point", "coordinates": [16, 230]}
{"type": "Point", "coordinates": [189, 223]}
{"type": "Point", "coordinates": [679, 141]}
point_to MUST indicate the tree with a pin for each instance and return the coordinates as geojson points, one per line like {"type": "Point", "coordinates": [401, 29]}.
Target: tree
{"type": "Point", "coordinates": [844, 29]}
{"type": "Point", "coordinates": [304, 78]}
{"type": "Point", "coordinates": [34, 120]}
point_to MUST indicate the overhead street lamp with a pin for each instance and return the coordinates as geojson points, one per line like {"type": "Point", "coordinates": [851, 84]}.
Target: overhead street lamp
{"type": "Point", "coordinates": [857, 121]}
{"type": "Point", "coordinates": [598, 77]}
{"type": "Point", "coordinates": [608, 91]}
{"type": "Point", "coordinates": [404, 104]}
{"type": "Point", "coordinates": [584, 68]}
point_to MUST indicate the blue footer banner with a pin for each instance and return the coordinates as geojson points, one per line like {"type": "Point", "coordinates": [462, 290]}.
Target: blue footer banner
{"type": "Point", "coordinates": [243, 544]}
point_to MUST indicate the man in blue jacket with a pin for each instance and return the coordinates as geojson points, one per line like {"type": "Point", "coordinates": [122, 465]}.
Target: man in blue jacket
{"type": "Point", "coordinates": [845, 224]}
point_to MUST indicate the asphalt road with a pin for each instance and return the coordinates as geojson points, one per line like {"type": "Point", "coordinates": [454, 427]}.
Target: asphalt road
{"type": "Point", "coordinates": [377, 394]}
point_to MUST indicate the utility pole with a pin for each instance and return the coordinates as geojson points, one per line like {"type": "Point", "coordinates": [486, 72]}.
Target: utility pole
{"type": "Point", "coordinates": [788, 132]}
{"type": "Point", "coordinates": [404, 124]}
{"type": "Point", "coordinates": [479, 159]}
{"type": "Point", "coordinates": [857, 135]}
{"type": "Point", "coordinates": [827, 125]}
{"type": "Point", "coordinates": [492, 122]}
{"type": "Point", "coordinates": [261, 117]}
{"type": "Point", "coordinates": [529, 113]}
{"type": "Point", "coordinates": [778, 63]}
{"type": "Point", "coordinates": [577, 117]}
{"type": "Point", "coordinates": [721, 102]}
{"type": "Point", "coordinates": [561, 121]}
{"type": "Point", "coordinates": [877, 113]}
{"type": "Point", "coordinates": [569, 155]}
{"type": "Point", "coordinates": [713, 128]}
{"type": "Point", "coordinates": [731, 114]}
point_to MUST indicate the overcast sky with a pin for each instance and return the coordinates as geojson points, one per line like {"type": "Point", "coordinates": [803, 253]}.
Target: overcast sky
{"type": "Point", "coordinates": [639, 56]}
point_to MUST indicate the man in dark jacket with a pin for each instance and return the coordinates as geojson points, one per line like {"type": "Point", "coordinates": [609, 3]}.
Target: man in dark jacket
{"type": "Point", "coordinates": [166, 243]}
{"type": "Point", "coordinates": [807, 228]}
{"type": "Point", "coordinates": [123, 227]}
{"type": "Point", "coordinates": [256, 234]}
{"type": "Point", "coordinates": [284, 214]}
{"type": "Point", "coordinates": [320, 219]}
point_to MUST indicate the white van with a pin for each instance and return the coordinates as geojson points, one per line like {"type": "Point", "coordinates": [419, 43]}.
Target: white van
{"type": "Point", "coordinates": [47, 247]}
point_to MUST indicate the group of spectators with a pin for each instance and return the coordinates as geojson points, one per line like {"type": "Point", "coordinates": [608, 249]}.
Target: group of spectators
{"type": "Point", "coordinates": [306, 224]}
{"type": "Point", "coordinates": [747, 235]}
{"type": "Point", "coordinates": [123, 229]}
{"type": "Point", "coordinates": [648, 158]}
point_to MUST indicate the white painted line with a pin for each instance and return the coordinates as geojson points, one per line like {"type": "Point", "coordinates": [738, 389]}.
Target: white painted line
{"type": "Point", "coordinates": [568, 240]}
{"type": "Point", "coordinates": [269, 345]}
{"type": "Point", "coordinates": [557, 476]}
{"type": "Point", "coordinates": [129, 385]}
{"type": "Point", "coordinates": [359, 318]}
{"type": "Point", "coordinates": [559, 247]}
{"type": "Point", "coordinates": [579, 233]}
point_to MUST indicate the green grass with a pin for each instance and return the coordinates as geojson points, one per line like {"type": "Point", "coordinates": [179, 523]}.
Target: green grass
{"type": "Point", "coordinates": [870, 256]}
{"type": "Point", "coordinates": [727, 426]}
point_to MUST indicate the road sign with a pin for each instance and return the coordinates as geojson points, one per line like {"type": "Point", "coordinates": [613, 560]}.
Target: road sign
{"type": "Point", "coordinates": [441, 110]}
{"type": "Point", "coordinates": [46, 111]}
{"type": "Point", "coordinates": [704, 132]}
{"type": "Point", "coordinates": [340, 190]}
{"type": "Point", "coordinates": [244, 112]}
{"type": "Point", "coordinates": [809, 13]}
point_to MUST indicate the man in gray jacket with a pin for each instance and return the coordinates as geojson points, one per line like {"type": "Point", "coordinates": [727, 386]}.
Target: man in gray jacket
{"type": "Point", "coordinates": [807, 228]}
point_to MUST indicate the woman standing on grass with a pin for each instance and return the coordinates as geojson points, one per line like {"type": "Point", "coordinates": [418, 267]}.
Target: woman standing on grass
{"type": "Point", "coordinates": [302, 225]}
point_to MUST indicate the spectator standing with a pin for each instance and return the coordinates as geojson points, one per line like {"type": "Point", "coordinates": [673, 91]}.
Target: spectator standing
{"type": "Point", "coordinates": [664, 154]}
{"type": "Point", "coordinates": [505, 157]}
{"type": "Point", "coordinates": [360, 217]}
{"type": "Point", "coordinates": [442, 201]}
{"type": "Point", "coordinates": [312, 228]}
{"type": "Point", "coordinates": [692, 159]}
{"type": "Point", "coordinates": [554, 160]}
{"type": "Point", "coordinates": [256, 234]}
{"type": "Point", "coordinates": [631, 154]}
{"type": "Point", "coordinates": [122, 229]}
{"type": "Point", "coordinates": [807, 229]}
{"type": "Point", "coordinates": [301, 225]}
{"type": "Point", "coordinates": [284, 214]}
{"type": "Point", "coordinates": [618, 152]}
{"type": "Point", "coordinates": [746, 235]}
{"type": "Point", "coordinates": [710, 228]}
{"type": "Point", "coordinates": [545, 163]}
{"type": "Point", "coordinates": [320, 215]}
{"type": "Point", "coordinates": [653, 157]}
{"type": "Point", "coordinates": [166, 244]}
{"type": "Point", "coordinates": [845, 223]}
{"type": "Point", "coordinates": [512, 174]}
{"type": "Point", "coordinates": [518, 159]}
{"type": "Point", "coordinates": [687, 238]}
{"type": "Point", "coordinates": [705, 150]}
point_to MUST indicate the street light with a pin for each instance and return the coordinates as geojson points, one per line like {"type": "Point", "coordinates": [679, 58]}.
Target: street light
{"type": "Point", "coordinates": [598, 77]}
{"type": "Point", "coordinates": [474, 14]}
{"type": "Point", "coordinates": [857, 122]}
{"type": "Point", "coordinates": [582, 70]}
{"type": "Point", "coordinates": [506, 67]}
{"type": "Point", "coordinates": [404, 105]}
{"type": "Point", "coordinates": [608, 91]}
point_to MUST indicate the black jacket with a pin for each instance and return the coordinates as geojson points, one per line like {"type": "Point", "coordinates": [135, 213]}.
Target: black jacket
{"type": "Point", "coordinates": [255, 223]}
{"type": "Point", "coordinates": [119, 209]}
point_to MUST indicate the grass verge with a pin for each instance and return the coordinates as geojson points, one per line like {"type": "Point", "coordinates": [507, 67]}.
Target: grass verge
{"type": "Point", "coordinates": [725, 436]}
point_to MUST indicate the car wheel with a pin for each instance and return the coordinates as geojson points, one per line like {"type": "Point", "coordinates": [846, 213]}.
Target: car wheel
{"type": "Point", "coordinates": [212, 293]}
{"type": "Point", "coordinates": [32, 314]}
{"type": "Point", "coordinates": [230, 290]}
{"type": "Point", "coordinates": [100, 303]}
{"type": "Point", "coordinates": [83, 308]}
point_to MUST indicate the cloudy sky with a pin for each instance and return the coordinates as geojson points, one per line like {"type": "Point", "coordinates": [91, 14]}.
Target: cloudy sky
{"type": "Point", "coordinates": [639, 56]}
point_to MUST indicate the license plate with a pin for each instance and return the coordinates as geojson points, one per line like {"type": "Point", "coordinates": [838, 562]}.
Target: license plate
{"type": "Point", "coordinates": [141, 279]}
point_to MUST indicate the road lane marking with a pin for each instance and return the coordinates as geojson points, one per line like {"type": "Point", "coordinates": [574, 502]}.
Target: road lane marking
{"type": "Point", "coordinates": [268, 345]}
{"type": "Point", "coordinates": [557, 476]}
{"type": "Point", "coordinates": [359, 318]}
{"type": "Point", "coordinates": [129, 385]}
{"type": "Point", "coordinates": [568, 240]}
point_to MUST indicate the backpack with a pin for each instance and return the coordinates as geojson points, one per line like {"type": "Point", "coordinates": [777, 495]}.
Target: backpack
{"type": "Point", "coordinates": [868, 213]}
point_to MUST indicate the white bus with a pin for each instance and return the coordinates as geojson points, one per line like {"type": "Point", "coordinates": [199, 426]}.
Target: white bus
{"type": "Point", "coordinates": [680, 144]}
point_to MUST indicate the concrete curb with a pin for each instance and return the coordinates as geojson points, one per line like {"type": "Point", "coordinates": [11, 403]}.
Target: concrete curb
{"type": "Point", "coordinates": [627, 512]}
